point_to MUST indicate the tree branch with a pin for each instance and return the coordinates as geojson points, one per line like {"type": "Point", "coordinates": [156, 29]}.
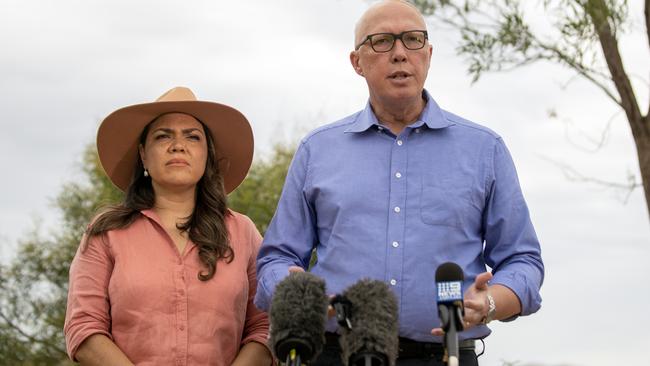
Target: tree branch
{"type": "Point", "coordinates": [30, 337]}
{"type": "Point", "coordinates": [572, 174]}
{"type": "Point", "coordinates": [646, 12]}
{"type": "Point", "coordinates": [598, 12]}
{"type": "Point", "coordinates": [583, 70]}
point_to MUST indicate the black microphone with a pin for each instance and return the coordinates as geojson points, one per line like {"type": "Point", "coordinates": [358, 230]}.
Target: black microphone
{"type": "Point", "coordinates": [297, 316]}
{"type": "Point", "coordinates": [369, 331]}
{"type": "Point", "coordinates": [449, 281]}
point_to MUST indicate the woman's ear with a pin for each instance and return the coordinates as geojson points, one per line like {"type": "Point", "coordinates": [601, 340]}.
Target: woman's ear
{"type": "Point", "coordinates": [142, 156]}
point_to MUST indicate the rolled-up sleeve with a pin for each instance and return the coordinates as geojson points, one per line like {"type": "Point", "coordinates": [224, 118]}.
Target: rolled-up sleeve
{"type": "Point", "coordinates": [256, 327]}
{"type": "Point", "coordinates": [512, 249]}
{"type": "Point", "coordinates": [291, 234]}
{"type": "Point", "coordinates": [88, 309]}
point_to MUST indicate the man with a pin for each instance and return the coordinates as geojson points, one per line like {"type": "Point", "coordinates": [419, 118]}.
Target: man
{"type": "Point", "coordinates": [399, 188]}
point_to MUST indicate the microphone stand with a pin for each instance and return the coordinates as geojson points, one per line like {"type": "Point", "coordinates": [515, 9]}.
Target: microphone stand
{"type": "Point", "coordinates": [452, 322]}
{"type": "Point", "coordinates": [294, 349]}
{"type": "Point", "coordinates": [293, 359]}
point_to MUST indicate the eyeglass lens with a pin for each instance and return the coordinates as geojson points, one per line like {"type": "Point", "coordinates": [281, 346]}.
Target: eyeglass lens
{"type": "Point", "coordinates": [384, 42]}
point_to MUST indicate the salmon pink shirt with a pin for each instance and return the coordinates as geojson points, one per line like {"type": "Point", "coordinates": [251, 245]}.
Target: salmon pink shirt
{"type": "Point", "coordinates": [136, 288]}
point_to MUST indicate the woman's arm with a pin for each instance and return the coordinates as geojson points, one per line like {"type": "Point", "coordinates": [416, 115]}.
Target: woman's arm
{"type": "Point", "coordinates": [253, 353]}
{"type": "Point", "coordinates": [87, 319]}
{"type": "Point", "coordinates": [254, 349]}
{"type": "Point", "coordinates": [98, 349]}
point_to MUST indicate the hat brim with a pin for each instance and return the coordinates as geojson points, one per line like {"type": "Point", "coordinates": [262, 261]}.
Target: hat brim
{"type": "Point", "coordinates": [119, 133]}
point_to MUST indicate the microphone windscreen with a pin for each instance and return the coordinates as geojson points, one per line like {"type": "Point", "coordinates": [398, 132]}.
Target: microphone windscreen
{"type": "Point", "coordinates": [449, 282]}
{"type": "Point", "coordinates": [373, 315]}
{"type": "Point", "coordinates": [297, 316]}
{"type": "Point", "coordinates": [449, 271]}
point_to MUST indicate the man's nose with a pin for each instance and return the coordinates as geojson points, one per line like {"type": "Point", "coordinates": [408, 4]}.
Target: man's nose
{"type": "Point", "coordinates": [398, 51]}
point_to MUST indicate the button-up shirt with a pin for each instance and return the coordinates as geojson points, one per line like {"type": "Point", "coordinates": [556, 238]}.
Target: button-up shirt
{"type": "Point", "coordinates": [136, 288]}
{"type": "Point", "coordinates": [393, 208]}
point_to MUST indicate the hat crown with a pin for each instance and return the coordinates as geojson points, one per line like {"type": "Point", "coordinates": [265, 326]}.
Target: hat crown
{"type": "Point", "coordinates": [177, 94]}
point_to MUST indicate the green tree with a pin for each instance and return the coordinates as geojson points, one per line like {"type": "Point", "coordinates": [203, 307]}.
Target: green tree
{"type": "Point", "coordinates": [34, 286]}
{"type": "Point", "coordinates": [585, 37]}
{"type": "Point", "coordinates": [258, 195]}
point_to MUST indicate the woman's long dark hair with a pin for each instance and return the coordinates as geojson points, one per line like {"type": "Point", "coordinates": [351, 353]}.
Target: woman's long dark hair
{"type": "Point", "coordinates": [206, 225]}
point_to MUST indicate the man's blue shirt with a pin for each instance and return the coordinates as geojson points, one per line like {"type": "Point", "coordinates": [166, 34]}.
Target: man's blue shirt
{"type": "Point", "coordinates": [393, 208]}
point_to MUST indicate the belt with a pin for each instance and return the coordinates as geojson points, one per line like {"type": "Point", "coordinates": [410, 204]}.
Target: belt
{"type": "Point", "coordinates": [409, 348]}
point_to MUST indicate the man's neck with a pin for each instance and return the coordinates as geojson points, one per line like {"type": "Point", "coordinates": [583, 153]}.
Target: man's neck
{"type": "Point", "coordinates": [396, 116]}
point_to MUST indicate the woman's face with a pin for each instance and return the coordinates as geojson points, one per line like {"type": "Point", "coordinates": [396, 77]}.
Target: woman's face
{"type": "Point", "coordinates": [175, 151]}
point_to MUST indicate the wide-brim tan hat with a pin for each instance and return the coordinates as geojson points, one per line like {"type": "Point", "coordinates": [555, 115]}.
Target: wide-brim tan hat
{"type": "Point", "coordinates": [118, 135]}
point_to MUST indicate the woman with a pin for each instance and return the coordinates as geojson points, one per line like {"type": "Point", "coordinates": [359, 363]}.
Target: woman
{"type": "Point", "coordinates": [168, 276]}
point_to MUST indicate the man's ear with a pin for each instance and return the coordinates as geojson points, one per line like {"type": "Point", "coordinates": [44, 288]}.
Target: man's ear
{"type": "Point", "coordinates": [354, 60]}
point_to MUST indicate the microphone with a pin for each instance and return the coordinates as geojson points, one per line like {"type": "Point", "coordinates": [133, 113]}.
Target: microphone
{"type": "Point", "coordinates": [297, 316]}
{"type": "Point", "coordinates": [449, 281]}
{"type": "Point", "coordinates": [369, 331]}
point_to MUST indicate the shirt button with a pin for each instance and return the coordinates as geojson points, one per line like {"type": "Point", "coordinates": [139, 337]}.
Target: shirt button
{"type": "Point", "coordinates": [393, 282]}
{"type": "Point", "coordinates": [181, 327]}
{"type": "Point", "coordinates": [395, 244]}
{"type": "Point", "coordinates": [398, 175]}
{"type": "Point", "coordinates": [417, 130]}
{"type": "Point", "coordinates": [397, 209]}
{"type": "Point", "coordinates": [399, 142]}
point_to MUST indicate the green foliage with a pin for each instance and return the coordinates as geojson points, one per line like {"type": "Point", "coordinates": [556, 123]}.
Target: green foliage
{"type": "Point", "coordinates": [258, 195]}
{"type": "Point", "coordinates": [34, 286]}
{"type": "Point", "coordinates": [496, 36]}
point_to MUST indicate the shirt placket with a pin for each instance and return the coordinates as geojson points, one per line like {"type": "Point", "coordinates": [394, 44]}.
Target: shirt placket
{"type": "Point", "coordinates": [397, 213]}
{"type": "Point", "coordinates": [180, 287]}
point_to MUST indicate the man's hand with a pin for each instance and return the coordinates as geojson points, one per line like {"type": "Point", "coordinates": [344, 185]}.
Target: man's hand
{"type": "Point", "coordinates": [294, 269]}
{"type": "Point", "coordinates": [475, 302]}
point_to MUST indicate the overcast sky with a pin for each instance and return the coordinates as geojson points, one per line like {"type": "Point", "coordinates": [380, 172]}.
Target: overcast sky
{"type": "Point", "coordinates": [65, 65]}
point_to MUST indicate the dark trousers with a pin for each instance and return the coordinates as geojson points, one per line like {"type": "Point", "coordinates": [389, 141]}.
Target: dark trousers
{"type": "Point", "coordinates": [331, 356]}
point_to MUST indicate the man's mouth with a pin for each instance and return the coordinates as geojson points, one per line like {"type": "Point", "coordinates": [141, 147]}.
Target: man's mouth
{"type": "Point", "coordinates": [399, 75]}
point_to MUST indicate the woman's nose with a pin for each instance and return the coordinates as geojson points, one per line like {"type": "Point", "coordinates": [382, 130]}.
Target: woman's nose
{"type": "Point", "coordinates": [177, 145]}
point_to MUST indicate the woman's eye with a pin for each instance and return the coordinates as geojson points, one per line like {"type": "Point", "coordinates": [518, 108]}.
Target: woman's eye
{"type": "Point", "coordinates": [161, 136]}
{"type": "Point", "coordinates": [194, 137]}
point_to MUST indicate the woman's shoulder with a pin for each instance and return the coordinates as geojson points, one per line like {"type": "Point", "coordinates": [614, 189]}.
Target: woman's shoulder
{"type": "Point", "coordinates": [242, 228]}
{"type": "Point", "coordinates": [106, 224]}
{"type": "Point", "coordinates": [239, 220]}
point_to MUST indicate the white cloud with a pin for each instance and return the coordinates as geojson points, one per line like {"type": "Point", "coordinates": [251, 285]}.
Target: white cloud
{"type": "Point", "coordinates": [67, 64]}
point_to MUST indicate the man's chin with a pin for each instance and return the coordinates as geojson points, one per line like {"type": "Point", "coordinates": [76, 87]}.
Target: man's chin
{"type": "Point", "coordinates": [405, 94]}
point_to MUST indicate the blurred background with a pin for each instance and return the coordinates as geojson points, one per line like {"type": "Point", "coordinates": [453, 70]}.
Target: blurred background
{"type": "Point", "coordinates": [537, 77]}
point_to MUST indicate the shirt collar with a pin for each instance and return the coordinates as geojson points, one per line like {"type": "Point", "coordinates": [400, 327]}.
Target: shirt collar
{"type": "Point", "coordinates": [151, 215]}
{"type": "Point", "coordinates": [431, 116]}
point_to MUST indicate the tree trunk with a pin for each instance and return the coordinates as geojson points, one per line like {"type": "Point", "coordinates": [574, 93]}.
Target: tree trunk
{"type": "Point", "coordinates": [642, 141]}
{"type": "Point", "coordinates": [598, 11]}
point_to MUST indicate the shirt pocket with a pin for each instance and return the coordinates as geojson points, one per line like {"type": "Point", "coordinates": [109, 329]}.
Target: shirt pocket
{"type": "Point", "coordinates": [448, 206]}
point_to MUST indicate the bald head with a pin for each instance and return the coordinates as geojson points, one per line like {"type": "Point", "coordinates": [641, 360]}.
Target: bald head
{"type": "Point", "coordinates": [382, 10]}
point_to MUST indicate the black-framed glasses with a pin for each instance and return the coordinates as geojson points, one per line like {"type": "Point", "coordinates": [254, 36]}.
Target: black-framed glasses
{"type": "Point", "coordinates": [384, 42]}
